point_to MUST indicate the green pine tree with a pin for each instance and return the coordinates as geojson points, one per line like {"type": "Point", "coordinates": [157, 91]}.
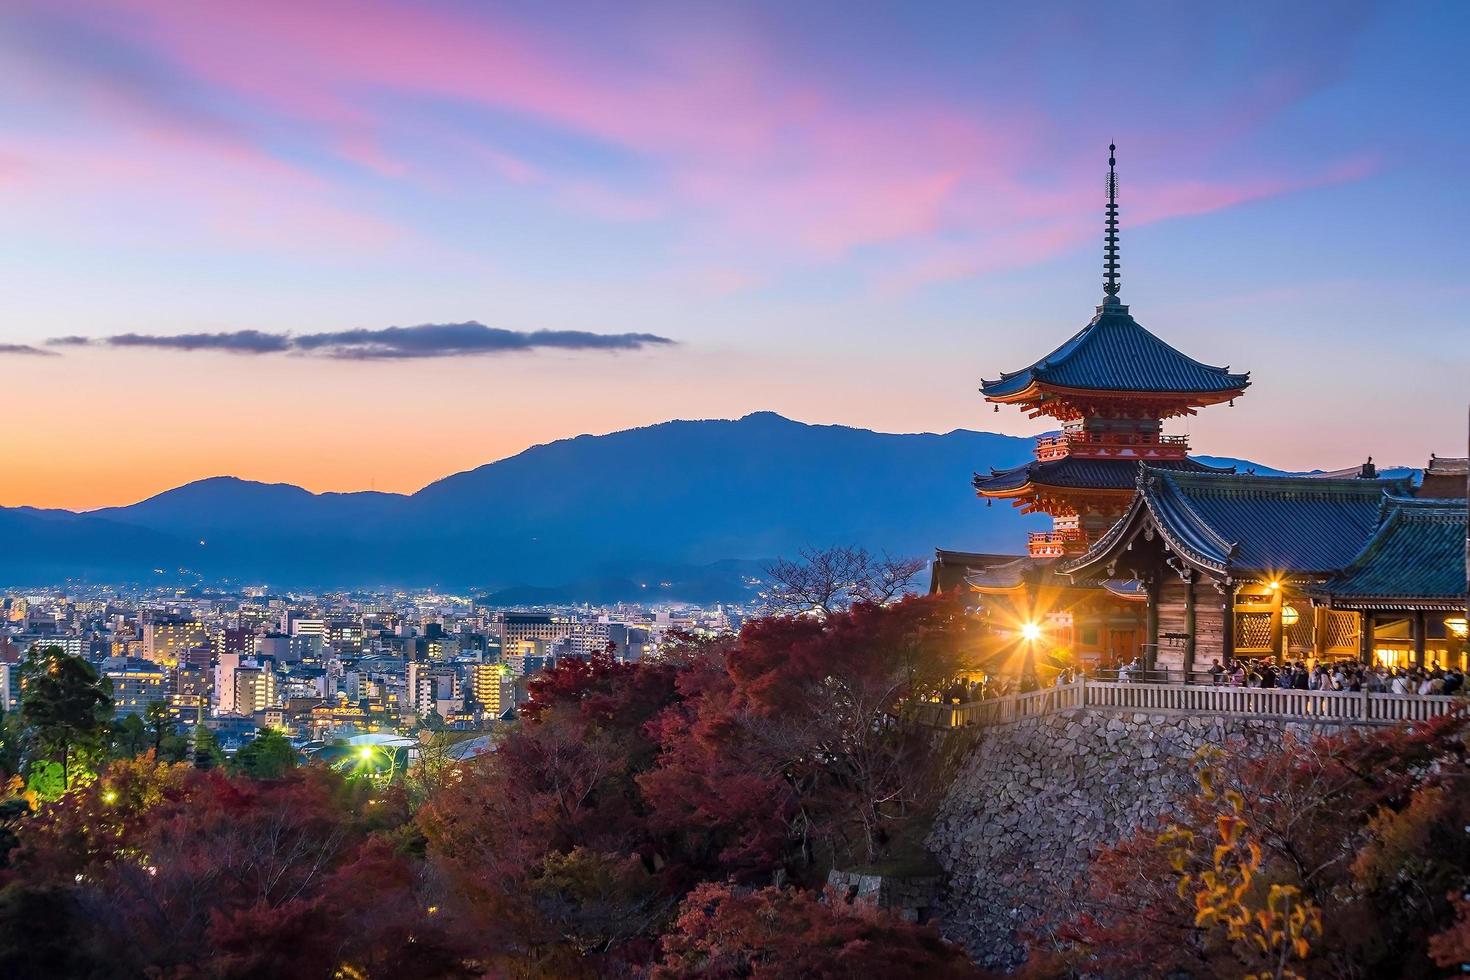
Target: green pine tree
{"type": "Point", "coordinates": [207, 753]}
{"type": "Point", "coordinates": [65, 708]}
{"type": "Point", "coordinates": [267, 756]}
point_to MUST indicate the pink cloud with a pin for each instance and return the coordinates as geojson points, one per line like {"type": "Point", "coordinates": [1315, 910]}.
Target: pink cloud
{"type": "Point", "coordinates": [741, 144]}
{"type": "Point", "coordinates": [836, 175]}
{"type": "Point", "coordinates": [1081, 221]}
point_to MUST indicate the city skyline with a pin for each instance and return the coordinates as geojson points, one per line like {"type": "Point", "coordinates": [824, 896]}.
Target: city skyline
{"type": "Point", "coordinates": [645, 213]}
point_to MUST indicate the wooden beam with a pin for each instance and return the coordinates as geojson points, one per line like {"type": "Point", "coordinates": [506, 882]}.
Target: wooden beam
{"type": "Point", "coordinates": [1365, 637]}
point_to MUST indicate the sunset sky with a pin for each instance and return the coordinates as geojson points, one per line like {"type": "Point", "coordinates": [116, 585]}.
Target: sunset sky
{"type": "Point", "coordinates": [620, 213]}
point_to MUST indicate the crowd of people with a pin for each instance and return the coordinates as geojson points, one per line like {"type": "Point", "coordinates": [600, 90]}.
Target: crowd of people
{"type": "Point", "coordinates": [1297, 675]}
{"type": "Point", "coordinates": [1340, 676]}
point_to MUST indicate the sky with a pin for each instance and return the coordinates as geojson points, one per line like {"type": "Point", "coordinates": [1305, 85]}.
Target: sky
{"type": "Point", "coordinates": [363, 245]}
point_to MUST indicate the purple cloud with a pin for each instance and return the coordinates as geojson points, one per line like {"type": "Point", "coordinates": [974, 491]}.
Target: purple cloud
{"type": "Point", "coordinates": [388, 343]}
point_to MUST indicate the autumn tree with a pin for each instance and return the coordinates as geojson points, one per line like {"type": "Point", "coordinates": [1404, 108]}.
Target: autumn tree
{"type": "Point", "coordinates": [553, 818]}
{"type": "Point", "coordinates": [1350, 846]}
{"type": "Point", "coordinates": [168, 867]}
{"type": "Point", "coordinates": [809, 726]}
{"type": "Point", "coordinates": [724, 933]}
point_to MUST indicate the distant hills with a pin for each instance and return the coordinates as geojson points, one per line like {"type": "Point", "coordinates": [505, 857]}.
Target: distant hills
{"type": "Point", "coordinates": [681, 510]}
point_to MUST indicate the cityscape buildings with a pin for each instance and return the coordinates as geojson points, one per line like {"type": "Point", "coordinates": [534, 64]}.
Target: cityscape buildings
{"type": "Point", "coordinates": [324, 667]}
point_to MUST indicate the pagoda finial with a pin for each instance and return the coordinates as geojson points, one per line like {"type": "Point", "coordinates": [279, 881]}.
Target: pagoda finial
{"type": "Point", "coordinates": [1110, 253]}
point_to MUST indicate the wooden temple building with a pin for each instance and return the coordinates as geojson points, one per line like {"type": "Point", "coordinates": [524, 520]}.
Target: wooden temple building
{"type": "Point", "coordinates": [1289, 568]}
{"type": "Point", "coordinates": [1156, 557]}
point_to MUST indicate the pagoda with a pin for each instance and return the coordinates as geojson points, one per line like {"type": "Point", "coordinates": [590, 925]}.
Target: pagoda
{"type": "Point", "coordinates": [1111, 386]}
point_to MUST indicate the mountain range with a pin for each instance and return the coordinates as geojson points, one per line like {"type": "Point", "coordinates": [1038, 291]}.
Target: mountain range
{"type": "Point", "coordinates": [684, 509]}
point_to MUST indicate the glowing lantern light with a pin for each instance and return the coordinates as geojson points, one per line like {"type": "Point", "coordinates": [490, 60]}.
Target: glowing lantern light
{"type": "Point", "coordinates": [1458, 626]}
{"type": "Point", "coordinates": [1289, 615]}
{"type": "Point", "coordinates": [1030, 632]}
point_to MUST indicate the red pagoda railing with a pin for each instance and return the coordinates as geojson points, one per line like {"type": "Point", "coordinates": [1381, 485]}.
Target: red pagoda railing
{"type": "Point", "coordinates": [1055, 544]}
{"type": "Point", "coordinates": [1131, 445]}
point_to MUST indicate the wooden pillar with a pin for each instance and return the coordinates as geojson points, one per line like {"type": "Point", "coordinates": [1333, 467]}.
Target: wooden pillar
{"type": "Point", "coordinates": [1419, 627]}
{"type": "Point", "coordinates": [1319, 631]}
{"type": "Point", "coordinates": [1278, 634]}
{"type": "Point", "coordinates": [1189, 645]}
{"type": "Point", "coordinates": [1227, 617]}
{"type": "Point", "coordinates": [1365, 637]}
{"type": "Point", "coordinates": [1151, 625]}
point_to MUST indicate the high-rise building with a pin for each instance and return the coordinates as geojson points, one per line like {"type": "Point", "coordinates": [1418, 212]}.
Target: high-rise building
{"type": "Point", "coordinates": [433, 690]}
{"type": "Point", "coordinates": [492, 686]}
{"type": "Point", "coordinates": [517, 627]}
{"type": "Point", "coordinates": [224, 683]}
{"type": "Point", "coordinates": [164, 637]}
{"type": "Point", "coordinates": [344, 636]}
{"type": "Point", "coordinates": [255, 689]}
{"type": "Point", "coordinates": [309, 627]}
{"type": "Point", "coordinates": [136, 683]}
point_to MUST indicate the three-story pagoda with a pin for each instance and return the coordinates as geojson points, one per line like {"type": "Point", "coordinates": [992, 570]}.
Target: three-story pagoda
{"type": "Point", "coordinates": [1111, 387]}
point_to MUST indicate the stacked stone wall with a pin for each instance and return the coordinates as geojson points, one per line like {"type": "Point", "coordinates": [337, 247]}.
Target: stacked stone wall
{"type": "Point", "coordinates": [1037, 799]}
{"type": "Point", "coordinates": [911, 898]}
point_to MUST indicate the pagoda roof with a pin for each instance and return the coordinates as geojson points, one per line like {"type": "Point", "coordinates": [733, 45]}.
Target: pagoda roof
{"type": "Point", "coordinates": [1074, 473]}
{"type": "Point", "coordinates": [1113, 353]}
{"type": "Point", "coordinates": [1228, 523]}
{"type": "Point", "coordinates": [1415, 558]}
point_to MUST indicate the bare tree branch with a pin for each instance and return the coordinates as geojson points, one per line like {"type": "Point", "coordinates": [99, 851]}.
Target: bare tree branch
{"type": "Point", "coordinates": [827, 580]}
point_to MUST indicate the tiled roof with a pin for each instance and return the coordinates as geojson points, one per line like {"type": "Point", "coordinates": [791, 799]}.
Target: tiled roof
{"type": "Point", "coordinates": [950, 569]}
{"type": "Point", "coordinates": [1224, 523]}
{"type": "Point", "coordinates": [1074, 473]}
{"type": "Point", "coordinates": [1446, 477]}
{"type": "Point", "coordinates": [1114, 353]}
{"type": "Point", "coordinates": [1417, 554]}
{"type": "Point", "coordinates": [1001, 577]}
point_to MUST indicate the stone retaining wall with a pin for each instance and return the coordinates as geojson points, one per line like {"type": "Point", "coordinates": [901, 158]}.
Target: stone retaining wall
{"type": "Point", "coordinates": [912, 898]}
{"type": "Point", "coordinates": [1036, 800]}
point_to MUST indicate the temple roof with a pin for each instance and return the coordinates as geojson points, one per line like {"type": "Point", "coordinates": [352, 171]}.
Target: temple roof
{"type": "Point", "coordinates": [1416, 556]}
{"type": "Point", "coordinates": [1003, 578]}
{"type": "Point", "coordinates": [1074, 473]}
{"type": "Point", "coordinates": [950, 569]}
{"type": "Point", "coordinates": [1114, 353]}
{"type": "Point", "coordinates": [1224, 523]}
{"type": "Point", "coordinates": [1446, 476]}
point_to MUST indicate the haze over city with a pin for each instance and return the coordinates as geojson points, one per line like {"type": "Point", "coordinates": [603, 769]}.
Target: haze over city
{"type": "Point", "coordinates": [843, 213]}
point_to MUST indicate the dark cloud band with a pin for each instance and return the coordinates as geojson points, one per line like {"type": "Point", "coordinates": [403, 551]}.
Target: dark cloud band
{"type": "Point", "coordinates": [26, 350]}
{"type": "Point", "coordinates": [389, 343]}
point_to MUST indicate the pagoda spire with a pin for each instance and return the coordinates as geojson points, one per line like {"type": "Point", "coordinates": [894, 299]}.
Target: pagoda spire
{"type": "Point", "coordinates": [1110, 253]}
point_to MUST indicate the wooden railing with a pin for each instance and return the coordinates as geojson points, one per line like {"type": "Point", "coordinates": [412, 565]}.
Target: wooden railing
{"type": "Point", "coordinates": [1329, 707]}
{"type": "Point", "coordinates": [1104, 444]}
{"type": "Point", "coordinates": [1055, 544]}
